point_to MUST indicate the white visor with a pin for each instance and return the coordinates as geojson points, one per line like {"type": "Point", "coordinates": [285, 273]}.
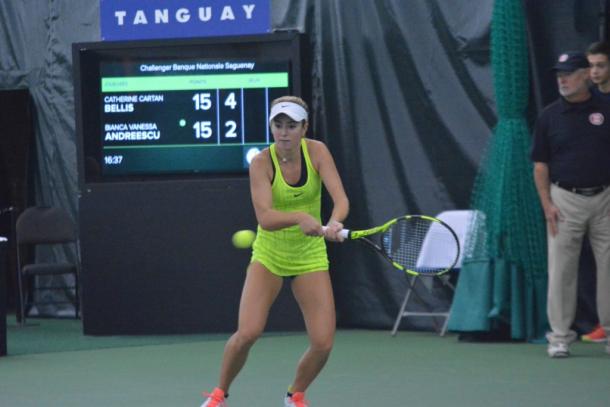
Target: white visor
{"type": "Point", "coordinates": [295, 111]}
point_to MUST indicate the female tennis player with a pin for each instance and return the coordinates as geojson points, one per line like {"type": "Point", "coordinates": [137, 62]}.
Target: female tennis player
{"type": "Point", "coordinates": [285, 185]}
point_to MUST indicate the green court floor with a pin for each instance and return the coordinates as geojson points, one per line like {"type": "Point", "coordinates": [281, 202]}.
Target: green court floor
{"type": "Point", "coordinates": [52, 364]}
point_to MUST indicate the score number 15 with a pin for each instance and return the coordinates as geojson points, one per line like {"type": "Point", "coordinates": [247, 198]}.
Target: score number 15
{"type": "Point", "coordinates": [203, 129]}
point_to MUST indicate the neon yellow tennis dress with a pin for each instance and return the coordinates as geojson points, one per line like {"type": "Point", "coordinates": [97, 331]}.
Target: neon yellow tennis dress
{"type": "Point", "coordinates": [288, 252]}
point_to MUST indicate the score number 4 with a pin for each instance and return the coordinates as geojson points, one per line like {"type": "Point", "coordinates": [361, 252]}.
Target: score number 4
{"type": "Point", "coordinates": [204, 129]}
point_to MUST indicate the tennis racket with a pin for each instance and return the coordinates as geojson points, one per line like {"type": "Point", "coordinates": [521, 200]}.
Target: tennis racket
{"type": "Point", "coordinates": [415, 244]}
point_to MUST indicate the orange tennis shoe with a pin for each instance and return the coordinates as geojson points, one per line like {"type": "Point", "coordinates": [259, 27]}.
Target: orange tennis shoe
{"type": "Point", "coordinates": [296, 400]}
{"type": "Point", "coordinates": [215, 399]}
{"type": "Point", "coordinates": [596, 335]}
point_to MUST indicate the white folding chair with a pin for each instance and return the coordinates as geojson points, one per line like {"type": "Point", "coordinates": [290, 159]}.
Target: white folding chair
{"type": "Point", "coordinates": [431, 256]}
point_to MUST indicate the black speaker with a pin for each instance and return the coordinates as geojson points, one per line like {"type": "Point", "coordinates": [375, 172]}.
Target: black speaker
{"type": "Point", "coordinates": [16, 138]}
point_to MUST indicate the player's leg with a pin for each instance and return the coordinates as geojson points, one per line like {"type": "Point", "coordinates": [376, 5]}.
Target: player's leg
{"type": "Point", "coordinates": [313, 292]}
{"type": "Point", "coordinates": [260, 290]}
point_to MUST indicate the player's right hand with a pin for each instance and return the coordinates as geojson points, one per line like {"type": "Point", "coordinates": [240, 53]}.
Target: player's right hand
{"type": "Point", "coordinates": [310, 226]}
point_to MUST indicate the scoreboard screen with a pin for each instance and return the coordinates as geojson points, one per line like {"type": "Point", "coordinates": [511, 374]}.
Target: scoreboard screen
{"type": "Point", "coordinates": [179, 109]}
{"type": "Point", "coordinates": [208, 116]}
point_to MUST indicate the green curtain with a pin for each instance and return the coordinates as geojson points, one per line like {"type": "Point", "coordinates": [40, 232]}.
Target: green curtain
{"type": "Point", "coordinates": [503, 277]}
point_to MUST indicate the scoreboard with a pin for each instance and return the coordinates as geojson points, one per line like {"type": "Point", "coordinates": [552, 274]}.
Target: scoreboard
{"type": "Point", "coordinates": [195, 115]}
{"type": "Point", "coordinates": [176, 109]}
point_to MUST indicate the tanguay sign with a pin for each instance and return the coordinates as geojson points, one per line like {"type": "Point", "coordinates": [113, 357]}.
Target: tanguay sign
{"type": "Point", "coordinates": [147, 19]}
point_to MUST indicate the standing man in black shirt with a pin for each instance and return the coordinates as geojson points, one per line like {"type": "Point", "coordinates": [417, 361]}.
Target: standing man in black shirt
{"type": "Point", "coordinates": [571, 155]}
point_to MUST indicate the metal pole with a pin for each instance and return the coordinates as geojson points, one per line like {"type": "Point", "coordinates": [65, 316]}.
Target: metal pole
{"type": "Point", "coordinates": [603, 20]}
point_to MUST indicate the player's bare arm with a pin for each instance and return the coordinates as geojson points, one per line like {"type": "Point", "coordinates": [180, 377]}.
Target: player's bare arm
{"type": "Point", "coordinates": [325, 165]}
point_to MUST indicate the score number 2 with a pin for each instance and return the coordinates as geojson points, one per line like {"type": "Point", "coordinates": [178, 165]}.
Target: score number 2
{"type": "Point", "coordinates": [203, 129]}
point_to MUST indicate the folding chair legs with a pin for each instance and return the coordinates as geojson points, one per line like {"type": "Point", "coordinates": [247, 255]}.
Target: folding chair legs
{"type": "Point", "coordinates": [401, 313]}
{"type": "Point", "coordinates": [21, 310]}
{"type": "Point", "coordinates": [76, 297]}
{"type": "Point", "coordinates": [405, 313]}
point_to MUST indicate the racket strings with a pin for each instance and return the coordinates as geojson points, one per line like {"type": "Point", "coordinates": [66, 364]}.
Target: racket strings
{"type": "Point", "coordinates": [403, 241]}
{"type": "Point", "coordinates": [421, 245]}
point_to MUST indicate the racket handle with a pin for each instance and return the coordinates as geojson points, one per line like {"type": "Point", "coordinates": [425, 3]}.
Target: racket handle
{"type": "Point", "coordinates": [344, 233]}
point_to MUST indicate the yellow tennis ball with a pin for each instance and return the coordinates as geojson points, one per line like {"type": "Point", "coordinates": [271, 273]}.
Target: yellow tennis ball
{"type": "Point", "coordinates": [243, 239]}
